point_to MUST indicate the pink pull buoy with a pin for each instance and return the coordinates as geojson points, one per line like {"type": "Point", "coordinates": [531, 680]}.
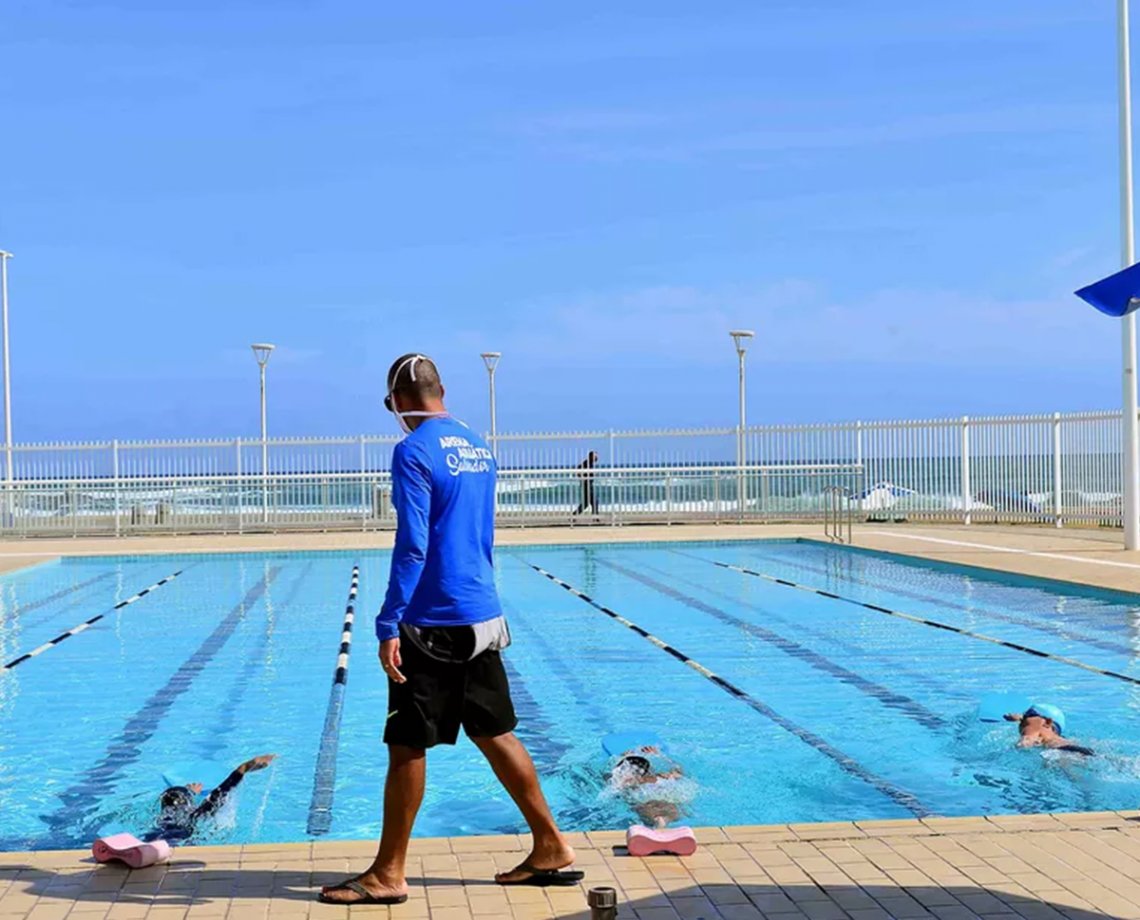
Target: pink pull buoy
{"type": "Point", "coordinates": [126, 848]}
{"type": "Point", "coordinates": [646, 841]}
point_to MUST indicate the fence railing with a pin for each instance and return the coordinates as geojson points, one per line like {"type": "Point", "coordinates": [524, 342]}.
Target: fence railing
{"type": "Point", "coordinates": [1059, 468]}
{"type": "Point", "coordinates": [248, 503]}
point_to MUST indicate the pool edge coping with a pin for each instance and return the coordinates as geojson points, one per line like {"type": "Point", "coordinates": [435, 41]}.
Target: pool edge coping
{"type": "Point", "coordinates": [814, 832]}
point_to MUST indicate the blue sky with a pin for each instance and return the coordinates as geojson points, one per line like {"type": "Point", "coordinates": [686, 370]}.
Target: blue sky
{"type": "Point", "coordinates": [899, 197]}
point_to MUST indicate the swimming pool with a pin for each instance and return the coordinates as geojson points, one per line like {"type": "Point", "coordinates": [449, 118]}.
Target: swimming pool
{"type": "Point", "coordinates": [821, 709]}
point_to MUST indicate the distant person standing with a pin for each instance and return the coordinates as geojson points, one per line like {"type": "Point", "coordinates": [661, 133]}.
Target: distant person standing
{"type": "Point", "coordinates": [441, 630]}
{"type": "Point", "coordinates": [586, 476]}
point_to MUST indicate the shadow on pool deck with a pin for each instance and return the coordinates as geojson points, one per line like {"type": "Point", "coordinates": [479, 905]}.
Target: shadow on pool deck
{"type": "Point", "coordinates": [250, 892]}
{"type": "Point", "coordinates": [1036, 867]}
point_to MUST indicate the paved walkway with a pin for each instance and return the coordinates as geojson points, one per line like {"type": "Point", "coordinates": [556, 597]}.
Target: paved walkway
{"type": "Point", "coordinates": [1092, 557]}
{"type": "Point", "coordinates": [1036, 867]}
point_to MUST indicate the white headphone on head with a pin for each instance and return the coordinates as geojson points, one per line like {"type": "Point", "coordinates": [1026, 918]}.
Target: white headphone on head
{"type": "Point", "coordinates": [390, 403]}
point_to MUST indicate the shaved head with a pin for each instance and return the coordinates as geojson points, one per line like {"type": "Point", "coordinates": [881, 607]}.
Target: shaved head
{"type": "Point", "coordinates": [415, 377]}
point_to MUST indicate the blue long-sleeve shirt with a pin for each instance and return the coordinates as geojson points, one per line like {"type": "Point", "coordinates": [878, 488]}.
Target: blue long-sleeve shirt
{"type": "Point", "coordinates": [443, 489]}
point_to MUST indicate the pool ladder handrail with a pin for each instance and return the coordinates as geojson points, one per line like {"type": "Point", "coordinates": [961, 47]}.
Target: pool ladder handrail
{"type": "Point", "coordinates": [837, 508]}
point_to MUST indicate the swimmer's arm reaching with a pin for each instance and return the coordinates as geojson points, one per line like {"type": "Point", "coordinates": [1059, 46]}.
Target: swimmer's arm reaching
{"type": "Point", "coordinates": [217, 798]}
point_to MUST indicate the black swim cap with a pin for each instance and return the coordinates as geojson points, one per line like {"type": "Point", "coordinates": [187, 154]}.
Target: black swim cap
{"type": "Point", "coordinates": [177, 798]}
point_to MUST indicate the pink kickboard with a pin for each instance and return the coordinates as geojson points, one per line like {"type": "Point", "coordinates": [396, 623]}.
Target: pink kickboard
{"type": "Point", "coordinates": [129, 849]}
{"type": "Point", "coordinates": [645, 841]}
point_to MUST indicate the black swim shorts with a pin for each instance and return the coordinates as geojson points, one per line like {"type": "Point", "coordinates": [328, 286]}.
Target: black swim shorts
{"type": "Point", "coordinates": [442, 695]}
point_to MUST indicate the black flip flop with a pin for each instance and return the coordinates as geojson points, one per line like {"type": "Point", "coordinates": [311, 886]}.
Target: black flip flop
{"type": "Point", "coordinates": [546, 878]}
{"type": "Point", "coordinates": [365, 896]}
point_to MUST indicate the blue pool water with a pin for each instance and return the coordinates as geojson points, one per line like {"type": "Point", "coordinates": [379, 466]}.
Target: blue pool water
{"type": "Point", "coordinates": [841, 712]}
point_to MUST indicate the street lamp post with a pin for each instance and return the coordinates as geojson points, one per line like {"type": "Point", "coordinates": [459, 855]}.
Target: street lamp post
{"type": "Point", "coordinates": [491, 360]}
{"type": "Point", "coordinates": [262, 351]}
{"type": "Point", "coordinates": [1128, 256]}
{"type": "Point", "coordinates": [4, 257]}
{"type": "Point", "coordinates": [742, 338]}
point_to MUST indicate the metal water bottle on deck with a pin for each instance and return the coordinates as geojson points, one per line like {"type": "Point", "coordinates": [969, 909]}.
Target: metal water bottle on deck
{"type": "Point", "coordinates": [603, 903]}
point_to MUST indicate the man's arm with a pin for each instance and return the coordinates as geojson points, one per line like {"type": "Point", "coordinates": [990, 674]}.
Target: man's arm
{"type": "Point", "coordinates": [411, 496]}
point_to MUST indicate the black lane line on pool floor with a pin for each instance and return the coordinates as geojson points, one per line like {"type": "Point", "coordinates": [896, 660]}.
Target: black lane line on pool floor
{"type": "Point", "coordinates": [535, 730]}
{"type": "Point", "coordinates": [87, 624]}
{"type": "Point", "coordinates": [583, 696]}
{"type": "Point", "coordinates": [850, 648]}
{"type": "Point", "coordinates": [846, 763]}
{"type": "Point", "coordinates": [324, 776]}
{"type": "Point", "coordinates": [910, 708]}
{"type": "Point", "coordinates": [80, 800]}
{"type": "Point", "coordinates": [1038, 625]}
{"type": "Point", "coordinates": [540, 737]}
{"type": "Point", "coordinates": [1037, 653]}
{"type": "Point", "coordinates": [208, 746]}
{"type": "Point", "coordinates": [22, 610]}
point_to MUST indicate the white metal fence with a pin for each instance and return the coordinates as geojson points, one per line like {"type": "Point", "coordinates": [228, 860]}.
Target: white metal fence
{"type": "Point", "coordinates": [234, 457]}
{"type": "Point", "coordinates": [1042, 468]}
{"type": "Point", "coordinates": [247, 503]}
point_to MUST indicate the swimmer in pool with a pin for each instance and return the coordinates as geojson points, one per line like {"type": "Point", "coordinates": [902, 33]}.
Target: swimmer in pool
{"type": "Point", "coordinates": [1038, 730]}
{"type": "Point", "coordinates": [180, 816]}
{"type": "Point", "coordinates": [634, 770]}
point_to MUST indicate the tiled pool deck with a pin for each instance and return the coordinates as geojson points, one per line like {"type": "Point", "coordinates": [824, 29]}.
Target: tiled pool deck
{"type": "Point", "coordinates": [1093, 556]}
{"type": "Point", "coordinates": [1042, 867]}
{"type": "Point", "coordinates": [1036, 867]}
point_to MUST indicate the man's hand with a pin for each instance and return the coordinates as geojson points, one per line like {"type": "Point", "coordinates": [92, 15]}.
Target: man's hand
{"type": "Point", "coordinates": [390, 660]}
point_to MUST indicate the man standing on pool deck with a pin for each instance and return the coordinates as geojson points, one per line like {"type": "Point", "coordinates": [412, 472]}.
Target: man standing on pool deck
{"type": "Point", "coordinates": [441, 630]}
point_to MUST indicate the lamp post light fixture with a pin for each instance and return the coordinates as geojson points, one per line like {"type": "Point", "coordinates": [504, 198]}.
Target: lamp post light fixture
{"type": "Point", "coordinates": [741, 338]}
{"type": "Point", "coordinates": [262, 351]}
{"type": "Point", "coordinates": [491, 360]}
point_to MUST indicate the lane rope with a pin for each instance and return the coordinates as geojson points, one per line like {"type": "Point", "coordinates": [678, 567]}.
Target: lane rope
{"type": "Point", "coordinates": [935, 624]}
{"type": "Point", "coordinates": [889, 698]}
{"type": "Point", "coordinates": [1068, 630]}
{"type": "Point", "coordinates": [324, 775]}
{"type": "Point", "coordinates": [929, 682]}
{"type": "Point", "coordinates": [87, 624]}
{"type": "Point", "coordinates": [849, 765]}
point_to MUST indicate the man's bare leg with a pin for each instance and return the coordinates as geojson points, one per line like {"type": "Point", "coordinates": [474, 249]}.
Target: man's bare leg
{"type": "Point", "coordinates": [515, 770]}
{"type": "Point", "coordinates": [403, 793]}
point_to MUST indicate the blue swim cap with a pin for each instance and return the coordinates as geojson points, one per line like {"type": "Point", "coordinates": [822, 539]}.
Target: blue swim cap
{"type": "Point", "coordinates": [1048, 711]}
